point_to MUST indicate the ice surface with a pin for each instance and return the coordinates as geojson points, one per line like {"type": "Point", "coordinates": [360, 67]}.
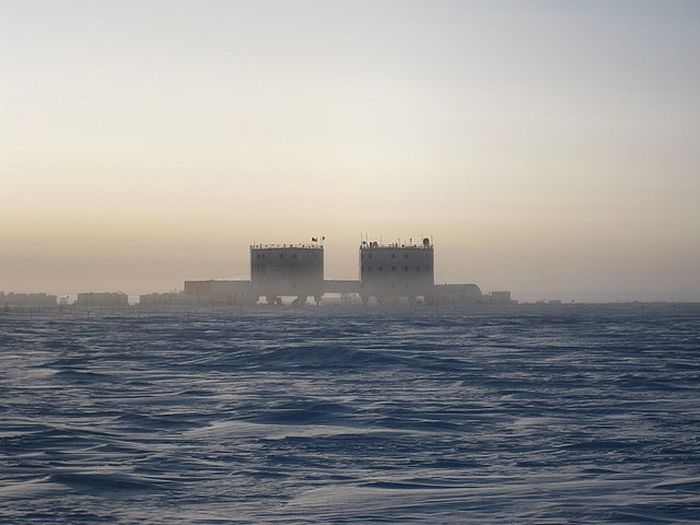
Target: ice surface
{"type": "Point", "coordinates": [226, 417]}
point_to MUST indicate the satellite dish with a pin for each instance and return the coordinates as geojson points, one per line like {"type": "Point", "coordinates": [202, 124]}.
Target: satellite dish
{"type": "Point", "coordinates": [426, 241]}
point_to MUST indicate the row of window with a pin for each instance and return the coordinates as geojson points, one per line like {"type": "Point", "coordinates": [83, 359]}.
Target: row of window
{"type": "Point", "coordinates": [393, 256]}
{"type": "Point", "coordinates": [393, 268]}
{"type": "Point", "coordinates": [294, 256]}
{"type": "Point", "coordinates": [393, 285]}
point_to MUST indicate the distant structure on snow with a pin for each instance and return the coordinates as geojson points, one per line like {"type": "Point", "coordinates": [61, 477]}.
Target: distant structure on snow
{"type": "Point", "coordinates": [389, 273]}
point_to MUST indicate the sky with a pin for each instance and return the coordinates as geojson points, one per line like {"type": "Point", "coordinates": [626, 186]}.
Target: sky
{"type": "Point", "coordinates": [549, 148]}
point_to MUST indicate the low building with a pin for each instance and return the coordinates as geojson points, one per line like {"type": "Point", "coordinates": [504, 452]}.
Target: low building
{"type": "Point", "coordinates": [500, 297]}
{"type": "Point", "coordinates": [217, 292]}
{"type": "Point", "coordinates": [27, 299]}
{"type": "Point", "coordinates": [171, 299]}
{"type": "Point", "coordinates": [103, 299]}
{"type": "Point", "coordinates": [455, 294]}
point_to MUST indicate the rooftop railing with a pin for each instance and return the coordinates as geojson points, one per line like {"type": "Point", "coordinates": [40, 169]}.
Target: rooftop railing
{"type": "Point", "coordinates": [314, 246]}
{"type": "Point", "coordinates": [395, 245]}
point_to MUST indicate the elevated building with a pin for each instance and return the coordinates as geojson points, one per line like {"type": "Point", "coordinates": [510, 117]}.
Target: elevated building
{"type": "Point", "coordinates": [391, 271]}
{"type": "Point", "coordinates": [292, 270]}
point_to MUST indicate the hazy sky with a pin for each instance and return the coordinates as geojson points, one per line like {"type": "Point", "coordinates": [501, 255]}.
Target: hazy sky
{"type": "Point", "coordinates": [550, 148]}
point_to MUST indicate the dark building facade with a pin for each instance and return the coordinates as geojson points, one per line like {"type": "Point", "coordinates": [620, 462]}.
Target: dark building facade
{"type": "Point", "coordinates": [294, 270]}
{"type": "Point", "coordinates": [391, 271]}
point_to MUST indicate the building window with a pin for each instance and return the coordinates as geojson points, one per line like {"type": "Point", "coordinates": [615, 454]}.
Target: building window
{"type": "Point", "coordinates": [258, 256]}
{"type": "Point", "coordinates": [418, 268]}
{"type": "Point", "coordinates": [405, 268]}
{"type": "Point", "coordinates": [393, 268]}
{"type": "Point", "coordinates": [405, 256]}
{"type": "Point", "coordinates": [294, 256]}
{"type": "Point", "coordinates": [381, 268]}
{"type": "Point", "coordinates": [281, 256]}
{"type": "Point", "coordinates": [393, 256]}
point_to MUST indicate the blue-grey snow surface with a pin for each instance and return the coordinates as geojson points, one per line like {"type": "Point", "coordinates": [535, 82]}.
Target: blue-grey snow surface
{"type": "Point", "coordinates": [294, 417]}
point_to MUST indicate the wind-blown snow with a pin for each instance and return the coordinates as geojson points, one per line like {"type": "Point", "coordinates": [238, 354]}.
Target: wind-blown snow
{"type": "Point", "coordinates": [228, 417]}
